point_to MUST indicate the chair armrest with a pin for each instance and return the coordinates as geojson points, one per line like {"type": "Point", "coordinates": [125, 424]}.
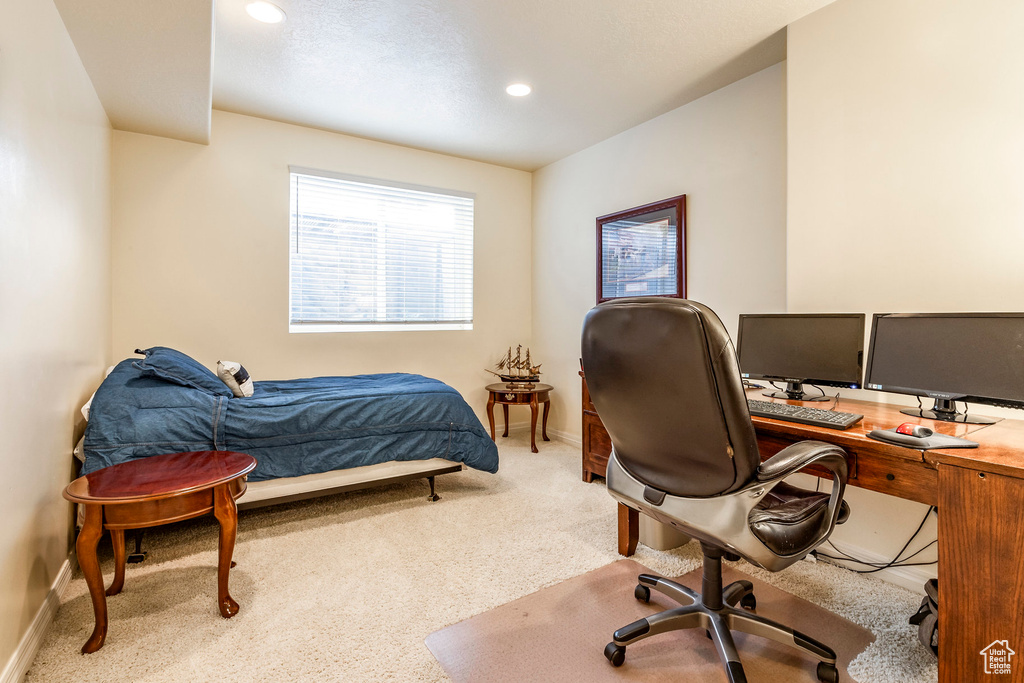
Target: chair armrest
{"type": "Point", "coordinates": [798, 456]}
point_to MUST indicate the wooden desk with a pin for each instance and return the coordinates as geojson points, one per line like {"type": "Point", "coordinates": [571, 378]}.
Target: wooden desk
{"type": "Point", "coordinates": [980, 496]}
{"type": "Point", "coordinates": [152, 491]}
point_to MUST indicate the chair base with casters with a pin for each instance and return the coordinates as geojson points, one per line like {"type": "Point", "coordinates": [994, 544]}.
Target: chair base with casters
{"type": "Point", "coordinates": [719, 611]}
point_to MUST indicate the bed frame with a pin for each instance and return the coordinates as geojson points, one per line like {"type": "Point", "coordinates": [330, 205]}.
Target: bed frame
{"type": "Point", "coordinates": [289, 489]}
{"type": "Point", "coordinates": [276, 491]}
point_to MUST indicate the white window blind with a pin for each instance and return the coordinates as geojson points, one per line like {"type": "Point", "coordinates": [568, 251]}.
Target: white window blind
{"type": "Point", "coordinates": [368, 254]}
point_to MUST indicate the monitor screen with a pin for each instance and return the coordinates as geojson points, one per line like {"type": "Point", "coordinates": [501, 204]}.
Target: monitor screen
{"type": "Point", "coordinates": [971, 356]}
{"type": "Point", "coordinates": [794, 347]}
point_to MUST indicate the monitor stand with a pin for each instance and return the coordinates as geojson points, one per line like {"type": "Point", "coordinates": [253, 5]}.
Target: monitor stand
{"type": "Point", "coordinates": [795, 392]}
{"type": "Point", "coordinates": [945, 410]}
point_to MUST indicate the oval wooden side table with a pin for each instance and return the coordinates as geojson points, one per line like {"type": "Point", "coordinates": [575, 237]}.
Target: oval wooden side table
{"type": "Point", "coordinates": [152, 491]}
{"type": "Point", "coordinates": [533, 397]}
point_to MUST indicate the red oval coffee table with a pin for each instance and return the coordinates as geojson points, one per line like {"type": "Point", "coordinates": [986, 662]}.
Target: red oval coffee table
{"type": "Point", "coordinates": [149, 492]}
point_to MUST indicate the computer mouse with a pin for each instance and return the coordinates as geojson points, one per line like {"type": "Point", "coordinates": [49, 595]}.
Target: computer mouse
{"type": "Point", "coordinates": [911, 429]}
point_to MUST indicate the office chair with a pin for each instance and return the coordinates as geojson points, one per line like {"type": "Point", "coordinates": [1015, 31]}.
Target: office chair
{"type": "Point", "coordinates": [664, 378]}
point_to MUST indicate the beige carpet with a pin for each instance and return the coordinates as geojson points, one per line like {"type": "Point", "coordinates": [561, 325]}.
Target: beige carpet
{"type": "Point", "coordinates": [347, 588]}
{"type": "Point", "coordinates": [558, 633]}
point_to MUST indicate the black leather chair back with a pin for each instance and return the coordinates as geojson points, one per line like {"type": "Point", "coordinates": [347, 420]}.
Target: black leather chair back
{"type": "Point", "coordinates": [664, 378]}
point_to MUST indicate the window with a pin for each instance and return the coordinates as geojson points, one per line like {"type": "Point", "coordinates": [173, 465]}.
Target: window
{"type": "Point", "coordinates": [374, 255]}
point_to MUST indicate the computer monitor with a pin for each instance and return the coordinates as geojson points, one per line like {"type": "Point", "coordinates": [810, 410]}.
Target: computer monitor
{"type": "Point", "coordinates": [949, 357]}
{"type": "Point", "coordinates": [799, 348]}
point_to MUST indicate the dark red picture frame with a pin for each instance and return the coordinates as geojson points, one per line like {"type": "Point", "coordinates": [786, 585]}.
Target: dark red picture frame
{"type": "Point", "coordinates": [679, 205]}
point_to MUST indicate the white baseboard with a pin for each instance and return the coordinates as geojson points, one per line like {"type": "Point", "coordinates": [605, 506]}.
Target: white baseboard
{"type": "Point", "coordinates": [911, 578]}
{"type": "Point", "coordinates": [566, 437]}
{"type": "Point", "coordinates": [557, 435]}
{"type": "Point", "coordinates": [23, 656]}
{"type": "Point", "coordinates": [514, 428]}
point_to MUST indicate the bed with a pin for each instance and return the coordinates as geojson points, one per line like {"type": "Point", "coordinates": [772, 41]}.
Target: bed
{"type": "Point", "coordinates": [309, 436]}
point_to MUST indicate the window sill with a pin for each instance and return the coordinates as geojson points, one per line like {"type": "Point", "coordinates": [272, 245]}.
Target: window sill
{"type": "Point", "coordinates": [378, 327]}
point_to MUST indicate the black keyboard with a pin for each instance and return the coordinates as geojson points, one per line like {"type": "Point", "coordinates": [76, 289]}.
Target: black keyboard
{"type": "Point", "coordinates": [807, 416]}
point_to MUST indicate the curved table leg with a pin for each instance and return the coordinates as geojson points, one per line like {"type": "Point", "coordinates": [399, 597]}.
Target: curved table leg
{"type": "Point", "coordinates": [490, 414]}
{"type": "Point", "coordinates": [85, 546]}
{"type": "Point", "coordinates": [117, 539]}
{"type": "Point", "coordinates": [227, 516]}
{"type": "Point", "coordinates": [544, 424]}
{"type": "Point", "coordinates": [504, 408]}
{"type": "Point", "coordinates": [533, 423]}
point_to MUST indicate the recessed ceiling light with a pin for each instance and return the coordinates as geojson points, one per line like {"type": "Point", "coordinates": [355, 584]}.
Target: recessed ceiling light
{"type": "Point", "coordinates": [266, 12]}
{"type": "Point", "coordinates": [518, 89]}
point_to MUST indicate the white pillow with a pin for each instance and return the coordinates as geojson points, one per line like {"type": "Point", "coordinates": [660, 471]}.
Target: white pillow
{"type": "Point", "coordinates": [88, 404]}
{"type": "Point", "coordinates": [236, 377]}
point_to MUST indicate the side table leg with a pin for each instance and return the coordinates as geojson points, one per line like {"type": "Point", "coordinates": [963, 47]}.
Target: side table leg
{"type": "Point", "coordinates": [490, 414]}
{"type": "Point", "coordinates": [85, 546]}
{"type": "Point", "coordinates": [544, 424]}
{"type": "Point", "coordinates": [533, 423]}
{"type": "Point", "coordinates": [504, 409]}
{"type": "Point", "coordinates": [629, 530]}
{"type": "Point", "coordinates": [227, 515]}
{"type": "Point", "coordinates": [117, 538]}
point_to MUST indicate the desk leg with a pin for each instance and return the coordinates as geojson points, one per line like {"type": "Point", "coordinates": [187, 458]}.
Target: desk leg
{"type": "Point", "coordinates": [504, 409]}
{"type": "Point", "coordinates": [981, 540]}
{"type": "Point", "coordinates": [88, 539]}
{"type": "Point", "coordinates": [629, 530]}
{"type": "Point", "coordinates": [544, 425]}
{"type": "Point", "coordinates": [490, 414]}
{"type": "Point", "coordinates": [117, 539]}
{"type": "Point", "coordinates": [533, 423]}
{"type": "Point", "coordinates": [227, 515]}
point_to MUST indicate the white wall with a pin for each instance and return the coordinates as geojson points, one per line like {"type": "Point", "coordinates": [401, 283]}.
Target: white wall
{"type": "Point", "coordinates": [906, 162]}
{"type": "Point", "coordinates": [906, 156]}
{"type": "Point", "coordinates": [54, 294]}
{"type": "Point", "coordinates": [200, 254]}
{"type": "Point", "coordinates": [727, 153]}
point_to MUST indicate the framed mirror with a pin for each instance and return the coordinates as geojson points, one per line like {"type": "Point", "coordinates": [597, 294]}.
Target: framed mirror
{"type": "Point", "coordinates": [642, 251]}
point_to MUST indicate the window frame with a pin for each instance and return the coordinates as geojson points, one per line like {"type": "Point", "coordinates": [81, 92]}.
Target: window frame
{"type": "Point", "coordinates": [377, 326]}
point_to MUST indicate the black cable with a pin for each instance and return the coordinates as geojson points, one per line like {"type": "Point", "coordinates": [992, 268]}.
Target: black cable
{"type": "Point", "coordinates": [819, 389]}
{"type": "Point", "coordinates": [878, 569]}
{"type": "Point", "coordinates": [895, 562]}
{"type": "Point", "coordinates": [906, 545]}
{"type": "Point", "coordinates": [883, 565]}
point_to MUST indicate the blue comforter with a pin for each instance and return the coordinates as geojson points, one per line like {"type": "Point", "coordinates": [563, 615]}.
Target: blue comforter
{"type": "Point", "coordinates": [291, 427]}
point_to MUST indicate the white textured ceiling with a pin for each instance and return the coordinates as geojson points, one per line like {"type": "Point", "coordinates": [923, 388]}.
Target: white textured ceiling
{"type": "Point", "coordinates": [432, 73]}
{"type": "Point", "coordinates": [149, 60]}
{"type": "Point", "coordinates": [425, 73]}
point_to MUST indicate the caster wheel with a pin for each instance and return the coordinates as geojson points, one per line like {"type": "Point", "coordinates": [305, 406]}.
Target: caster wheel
{"type": "Point", "coordinates": [616, 654]}
{"type": "Point", "coordinates": [828, 673]}
{"type": "Point", "coordinates": [642, 593]}
{"type": "Point", "coordinates": [749, 602]}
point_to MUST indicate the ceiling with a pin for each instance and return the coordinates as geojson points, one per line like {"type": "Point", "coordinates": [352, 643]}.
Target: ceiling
{"type": "Point", "coordinates": [429, 74]}
{"type": "Point", "coordinates": [149, 60]}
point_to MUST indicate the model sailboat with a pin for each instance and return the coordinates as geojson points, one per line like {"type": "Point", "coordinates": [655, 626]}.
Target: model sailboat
{"type": "Point", "coordinates": [518, 372]}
